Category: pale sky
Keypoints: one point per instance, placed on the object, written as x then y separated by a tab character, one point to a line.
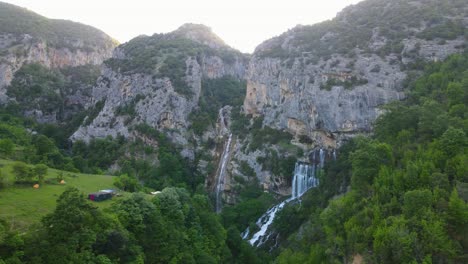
242	24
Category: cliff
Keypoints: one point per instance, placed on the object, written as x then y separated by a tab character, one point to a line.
26	37
328	81
158	80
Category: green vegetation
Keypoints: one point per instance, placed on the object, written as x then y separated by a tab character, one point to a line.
215	94
448	30
129	107
24	206
407	202
263	135
57	33
182	227
172	170
278	164
165	55
347	84
37	88
353	27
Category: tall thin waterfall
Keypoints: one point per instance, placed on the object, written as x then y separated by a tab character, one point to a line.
222	173
305	177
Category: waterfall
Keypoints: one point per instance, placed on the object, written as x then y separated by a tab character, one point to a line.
305	178
264	222
322	157
222	174
222	121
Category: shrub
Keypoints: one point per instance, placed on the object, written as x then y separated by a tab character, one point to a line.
22	172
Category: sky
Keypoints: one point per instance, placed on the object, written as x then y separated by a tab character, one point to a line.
242	24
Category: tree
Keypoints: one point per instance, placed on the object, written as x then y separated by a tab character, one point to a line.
457	211
2	178
127	183
366	163
394	243
416	201
78	232
40	171
22	172
6	146
453	141
44	145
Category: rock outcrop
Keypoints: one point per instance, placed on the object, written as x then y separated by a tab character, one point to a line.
26	37
154	98
18	50
329	80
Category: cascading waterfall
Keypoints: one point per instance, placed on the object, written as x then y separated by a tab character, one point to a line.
305	177
222	174
264	222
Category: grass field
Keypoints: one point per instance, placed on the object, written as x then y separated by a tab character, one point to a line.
23	206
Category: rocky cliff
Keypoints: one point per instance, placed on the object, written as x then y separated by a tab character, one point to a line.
328	81
26	37
311	87
157	80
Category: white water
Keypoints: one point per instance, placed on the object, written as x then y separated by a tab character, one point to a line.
223	127
264	222
222	174
303	180
322	158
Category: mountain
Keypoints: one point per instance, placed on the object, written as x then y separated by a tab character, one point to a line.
327	81
361	108
313	87
26	37
160	80
57	32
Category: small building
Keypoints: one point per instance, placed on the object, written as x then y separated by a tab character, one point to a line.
99	196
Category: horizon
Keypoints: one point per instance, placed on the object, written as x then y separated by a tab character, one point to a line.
239	27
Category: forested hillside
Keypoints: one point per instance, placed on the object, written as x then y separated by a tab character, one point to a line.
407	201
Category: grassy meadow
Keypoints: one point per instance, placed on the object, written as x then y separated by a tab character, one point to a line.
23	206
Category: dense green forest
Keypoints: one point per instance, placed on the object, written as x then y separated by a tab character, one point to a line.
407	201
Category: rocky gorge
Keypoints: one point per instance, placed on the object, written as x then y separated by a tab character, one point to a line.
304	83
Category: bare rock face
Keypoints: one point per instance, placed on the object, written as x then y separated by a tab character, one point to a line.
153	98
27	37
294	98
19	49
328	81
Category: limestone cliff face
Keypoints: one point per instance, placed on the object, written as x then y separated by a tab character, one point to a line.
19	49
27	37
153	97
308	82
154	100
